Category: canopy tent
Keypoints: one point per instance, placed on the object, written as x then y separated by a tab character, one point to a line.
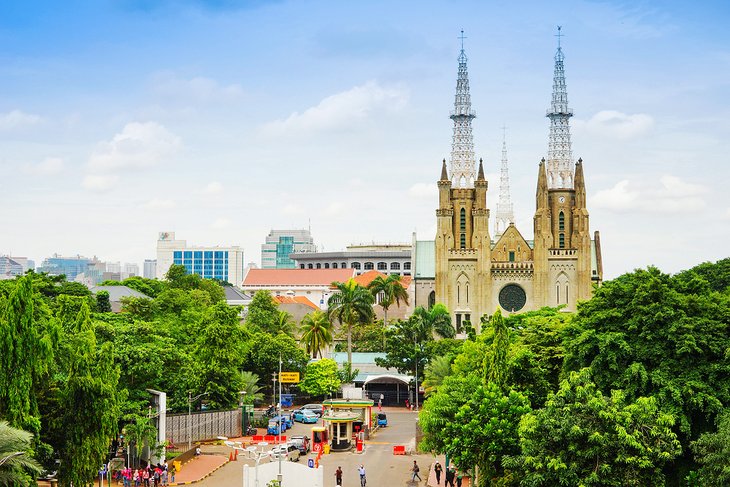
388	379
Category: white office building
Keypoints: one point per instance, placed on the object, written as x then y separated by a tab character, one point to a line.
150	269
222	263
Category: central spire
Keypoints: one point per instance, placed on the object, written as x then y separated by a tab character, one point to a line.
560	154
462	145
505	214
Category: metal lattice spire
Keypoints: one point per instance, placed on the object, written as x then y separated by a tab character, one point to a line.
505	213
560	154
462	146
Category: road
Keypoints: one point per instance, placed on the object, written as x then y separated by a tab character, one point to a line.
382	467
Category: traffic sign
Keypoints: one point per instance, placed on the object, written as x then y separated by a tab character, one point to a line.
289	377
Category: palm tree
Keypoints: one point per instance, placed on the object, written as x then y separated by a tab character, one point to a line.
435	320
284	323
436	371
141	432
391	291
15	461
250	385
351	304
316	332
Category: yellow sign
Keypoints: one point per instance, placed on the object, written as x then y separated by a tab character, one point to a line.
289	377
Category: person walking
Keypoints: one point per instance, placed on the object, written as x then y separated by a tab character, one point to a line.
459	478
173	471
338	475
450	474
361	471
437	469
415	471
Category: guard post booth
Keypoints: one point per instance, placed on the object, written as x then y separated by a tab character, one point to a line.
344	418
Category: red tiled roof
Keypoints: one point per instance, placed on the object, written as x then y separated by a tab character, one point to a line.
296	277
295	300
366	278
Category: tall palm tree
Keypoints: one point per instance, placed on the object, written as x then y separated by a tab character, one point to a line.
435	320
316	332
284	323
351	304
391	291
250	384
436	371
15	461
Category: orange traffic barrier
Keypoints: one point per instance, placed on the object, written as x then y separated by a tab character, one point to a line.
399	450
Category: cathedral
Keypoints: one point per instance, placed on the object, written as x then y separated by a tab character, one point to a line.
473	271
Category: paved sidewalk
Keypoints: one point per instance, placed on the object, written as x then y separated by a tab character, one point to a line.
198	468
466	482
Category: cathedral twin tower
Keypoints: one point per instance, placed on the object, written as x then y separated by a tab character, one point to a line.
476	274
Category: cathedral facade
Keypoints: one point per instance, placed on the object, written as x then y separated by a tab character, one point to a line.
474	272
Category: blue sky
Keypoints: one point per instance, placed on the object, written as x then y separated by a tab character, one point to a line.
221	120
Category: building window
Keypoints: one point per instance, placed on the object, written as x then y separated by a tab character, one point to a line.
310	266
334	265
467	294
319	266
301	266
406	266
467	318
382	266
458	322
356	265
557	291
562	240
458	294
395	266
462	241
431	299
561	221
343	265
462	220
369	266
511	256
326	265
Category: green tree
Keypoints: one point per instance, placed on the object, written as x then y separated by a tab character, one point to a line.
316	332
405	347
250	385
390	291
284	323
25	357
350	305
263	351
436	371
140	432
320	378
712	451
582	437
263	312
102	302
436	320
17	466
497	365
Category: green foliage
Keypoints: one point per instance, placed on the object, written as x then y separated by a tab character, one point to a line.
436	320
284	324
102	302
436	371
250	385
497	366
712	451
316	332
16	462
263	312
263	351
350	305
405	347
347	374
320	378
367	337
390	290
582	437
140	432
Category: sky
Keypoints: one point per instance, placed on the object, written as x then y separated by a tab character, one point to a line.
221	120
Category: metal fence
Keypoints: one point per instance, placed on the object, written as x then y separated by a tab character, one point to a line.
204	425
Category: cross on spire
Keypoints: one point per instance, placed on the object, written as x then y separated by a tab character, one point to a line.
462	37
558	35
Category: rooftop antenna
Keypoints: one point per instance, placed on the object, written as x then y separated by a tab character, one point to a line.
558	35
462	37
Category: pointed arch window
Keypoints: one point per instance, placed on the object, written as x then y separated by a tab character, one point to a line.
562	240
561	221
462	220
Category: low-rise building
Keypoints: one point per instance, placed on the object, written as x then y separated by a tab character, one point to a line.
313	284
386	258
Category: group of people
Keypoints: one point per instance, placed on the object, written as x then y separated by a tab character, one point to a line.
149	476
451	475
360	471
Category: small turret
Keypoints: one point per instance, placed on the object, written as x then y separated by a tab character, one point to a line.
541	195
444	174
480	175
580	185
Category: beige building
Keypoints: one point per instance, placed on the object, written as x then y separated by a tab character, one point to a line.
474	275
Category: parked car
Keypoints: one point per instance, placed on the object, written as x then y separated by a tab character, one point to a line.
301	442
285	451
306	416
318	409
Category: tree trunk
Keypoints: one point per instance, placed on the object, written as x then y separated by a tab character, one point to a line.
349	344
385	324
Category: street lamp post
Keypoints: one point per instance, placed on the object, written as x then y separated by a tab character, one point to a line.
415	343
190	415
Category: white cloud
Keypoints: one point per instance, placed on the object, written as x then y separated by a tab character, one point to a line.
100	182
198	88
341	110
158	204
49	166
17	119
616	125
292	209
670	195
726	216
138	145
213	187
424	191
334	209
220	223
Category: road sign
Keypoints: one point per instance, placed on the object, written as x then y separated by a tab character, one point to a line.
289	377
